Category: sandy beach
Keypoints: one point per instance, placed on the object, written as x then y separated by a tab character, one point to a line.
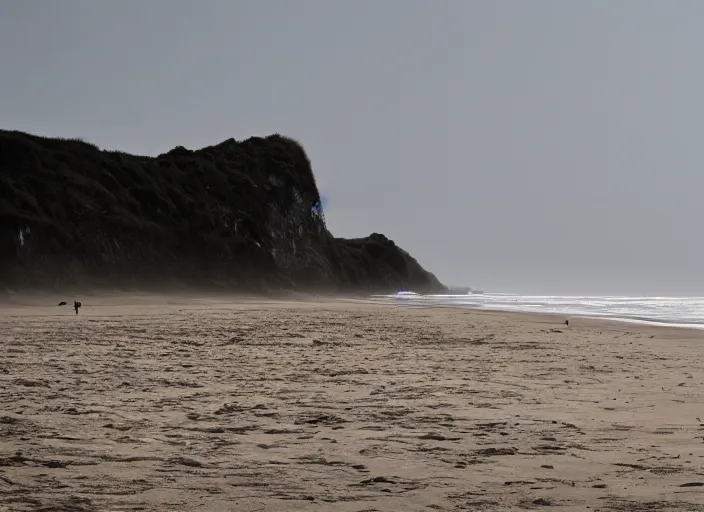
159	404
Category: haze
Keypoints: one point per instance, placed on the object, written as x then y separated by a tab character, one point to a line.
536	147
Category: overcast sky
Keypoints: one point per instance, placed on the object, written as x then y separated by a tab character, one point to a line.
522	146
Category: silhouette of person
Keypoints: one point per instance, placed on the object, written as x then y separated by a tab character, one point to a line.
76	305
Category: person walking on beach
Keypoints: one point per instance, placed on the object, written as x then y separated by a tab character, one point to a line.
76	305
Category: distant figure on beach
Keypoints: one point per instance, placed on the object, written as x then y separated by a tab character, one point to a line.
76	305
567	322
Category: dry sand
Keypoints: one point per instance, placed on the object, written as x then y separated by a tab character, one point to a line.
149	404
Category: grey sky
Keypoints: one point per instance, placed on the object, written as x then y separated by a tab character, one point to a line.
530	146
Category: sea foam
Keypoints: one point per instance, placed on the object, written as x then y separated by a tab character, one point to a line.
680	311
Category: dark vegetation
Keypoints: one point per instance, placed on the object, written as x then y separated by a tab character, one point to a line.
240	215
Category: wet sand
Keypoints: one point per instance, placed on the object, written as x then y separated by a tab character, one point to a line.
155	404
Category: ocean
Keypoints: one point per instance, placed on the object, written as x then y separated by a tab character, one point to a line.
673	311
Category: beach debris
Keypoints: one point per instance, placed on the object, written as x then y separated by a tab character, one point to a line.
186	461
31	383
438	437
496	451
62	303
377	480
54	464
322	418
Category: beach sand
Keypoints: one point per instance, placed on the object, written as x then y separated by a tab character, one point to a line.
159	404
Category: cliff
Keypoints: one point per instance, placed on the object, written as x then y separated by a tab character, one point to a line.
241	215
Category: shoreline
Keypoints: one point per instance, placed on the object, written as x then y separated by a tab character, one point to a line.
558	317
428	301
98	299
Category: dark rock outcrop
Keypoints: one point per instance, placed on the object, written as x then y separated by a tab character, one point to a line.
244	215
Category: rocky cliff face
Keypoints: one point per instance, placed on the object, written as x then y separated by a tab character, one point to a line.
245	215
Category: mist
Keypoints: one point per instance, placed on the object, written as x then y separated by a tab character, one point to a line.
531	147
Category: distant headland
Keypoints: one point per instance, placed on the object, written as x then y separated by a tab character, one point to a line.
238	216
